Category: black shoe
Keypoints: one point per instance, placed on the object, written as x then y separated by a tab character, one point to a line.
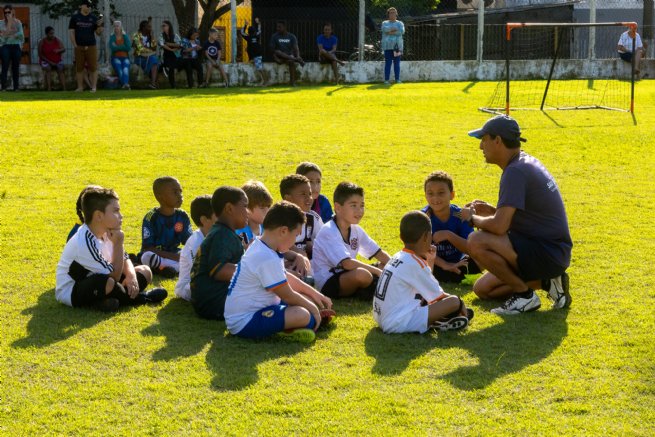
167	272
136	260
108	305
155	295
469	314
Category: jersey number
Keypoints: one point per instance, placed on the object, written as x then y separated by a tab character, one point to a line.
383	283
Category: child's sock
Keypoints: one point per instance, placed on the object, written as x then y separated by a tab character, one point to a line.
312	322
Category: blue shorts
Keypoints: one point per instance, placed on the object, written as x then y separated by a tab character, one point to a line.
533	259
265	322
146	63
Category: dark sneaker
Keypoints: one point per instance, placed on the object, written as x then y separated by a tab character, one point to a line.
136	260
167	272
108	305
517	305
469	314
454	324
326	316
558	291
155	295
302	335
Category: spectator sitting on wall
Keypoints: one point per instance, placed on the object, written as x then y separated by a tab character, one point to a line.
50	50
191	52
625	48
284	46
145	51
327	50
171	43
119	47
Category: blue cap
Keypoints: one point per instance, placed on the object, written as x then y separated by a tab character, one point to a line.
503	126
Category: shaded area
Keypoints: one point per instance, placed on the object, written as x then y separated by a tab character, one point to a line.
502	349
468	86
53	322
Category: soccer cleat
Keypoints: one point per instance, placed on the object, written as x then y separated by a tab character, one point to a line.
155	295
558	291
108	305
454	324
517	305
326	316
469	314
302	335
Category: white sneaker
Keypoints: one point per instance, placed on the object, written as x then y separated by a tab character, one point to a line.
454	324
517	305
558	291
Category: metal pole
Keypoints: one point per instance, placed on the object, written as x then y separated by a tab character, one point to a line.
647	31
480	31
362	29
592	29
105	33
233	30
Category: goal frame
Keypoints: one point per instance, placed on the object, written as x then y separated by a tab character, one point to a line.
509	27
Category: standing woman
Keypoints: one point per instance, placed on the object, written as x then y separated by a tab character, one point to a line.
170	43
392	44
11	39
119	47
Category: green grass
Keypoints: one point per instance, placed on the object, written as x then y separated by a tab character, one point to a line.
154	370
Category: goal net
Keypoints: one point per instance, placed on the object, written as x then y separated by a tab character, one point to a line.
564	66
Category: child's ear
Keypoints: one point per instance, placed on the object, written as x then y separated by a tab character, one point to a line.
286	197
452	195
98	215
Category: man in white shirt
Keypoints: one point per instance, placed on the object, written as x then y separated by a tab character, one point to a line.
625	48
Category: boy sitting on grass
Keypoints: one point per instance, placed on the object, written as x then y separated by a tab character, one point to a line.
449	231
259	202
94	270
79	212
263	299
219	253
203	216
164	229
408	297
337	271
321	204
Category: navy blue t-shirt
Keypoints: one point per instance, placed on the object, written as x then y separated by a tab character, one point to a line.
212	48
540	215
445	249
85	28
326	43
165	232
285	43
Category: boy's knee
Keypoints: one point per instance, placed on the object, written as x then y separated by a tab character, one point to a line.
145	271
109	285
364	277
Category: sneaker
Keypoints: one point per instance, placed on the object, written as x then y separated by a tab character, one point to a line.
302	335
108	305
517	305
386	82
152	86
399	81
167	272
155	295
469	314
454	324
326	316
558	291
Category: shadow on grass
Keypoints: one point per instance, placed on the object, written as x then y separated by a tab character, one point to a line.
379	86
502	349
339	88
53	322
470	85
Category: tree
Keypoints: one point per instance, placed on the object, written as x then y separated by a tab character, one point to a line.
211	11
65	8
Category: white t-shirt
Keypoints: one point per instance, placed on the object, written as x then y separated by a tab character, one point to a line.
92	253
330	249
309	230
395	305
626	41
187	255
260	271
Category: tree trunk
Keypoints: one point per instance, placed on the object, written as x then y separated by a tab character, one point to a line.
184	12
208	17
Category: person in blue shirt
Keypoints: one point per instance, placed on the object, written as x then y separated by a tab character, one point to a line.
165	228
327	50
392	44
449	232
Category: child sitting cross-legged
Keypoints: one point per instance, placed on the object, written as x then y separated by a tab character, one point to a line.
408	298
94	270
263	299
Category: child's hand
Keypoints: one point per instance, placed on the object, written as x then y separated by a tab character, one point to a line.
323	301
482	208
301	265
116	236
131	286
440	236
431	255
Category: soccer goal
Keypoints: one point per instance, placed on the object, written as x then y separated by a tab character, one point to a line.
565	85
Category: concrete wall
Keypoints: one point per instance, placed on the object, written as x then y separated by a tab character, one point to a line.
367	72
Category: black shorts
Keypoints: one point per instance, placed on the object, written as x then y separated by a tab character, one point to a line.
626	56
332	286
533	260
91	289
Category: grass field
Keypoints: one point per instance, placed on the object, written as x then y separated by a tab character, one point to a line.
161	370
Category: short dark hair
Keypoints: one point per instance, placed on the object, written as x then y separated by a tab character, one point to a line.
78	204
413	226
49	29
224	195
439	176
284	213
307	167
288	183
213	30
282	22
96	199
258	194
510	144
159	183
201	206
345	190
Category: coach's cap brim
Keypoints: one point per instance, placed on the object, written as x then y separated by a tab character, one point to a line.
503	126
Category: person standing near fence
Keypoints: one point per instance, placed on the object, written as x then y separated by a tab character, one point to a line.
11	40
82	30
392	44
119	47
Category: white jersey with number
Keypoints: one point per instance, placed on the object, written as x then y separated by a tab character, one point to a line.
187	256
258	274
330	249
626	41
91	253
405	281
